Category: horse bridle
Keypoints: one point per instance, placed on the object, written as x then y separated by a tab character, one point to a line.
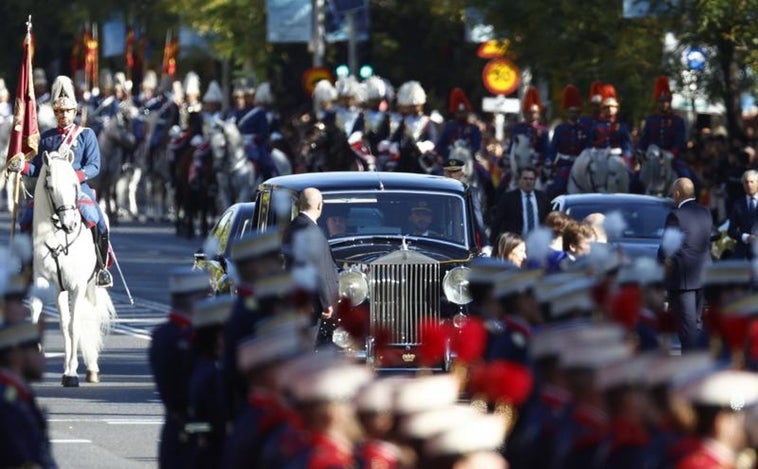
57	209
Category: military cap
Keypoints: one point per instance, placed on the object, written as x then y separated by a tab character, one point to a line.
727	389
256	245
674	369
594	356
286	373
629	372
547	284
186	280
728	272
486	270
454	164
63	95
212	311
378	395
574	295
479	432
338	383
643	271
423	425
516	281
426	393
277	339
421	205
21	333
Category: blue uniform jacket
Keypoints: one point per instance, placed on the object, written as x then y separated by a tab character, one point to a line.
664	130
568	139
612	134
85	148
457	130
206	404
255	122
23	429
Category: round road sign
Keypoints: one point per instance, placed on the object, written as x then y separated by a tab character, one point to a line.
501	76
313	76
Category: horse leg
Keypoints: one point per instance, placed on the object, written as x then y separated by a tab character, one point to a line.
35	303
132	191
70	363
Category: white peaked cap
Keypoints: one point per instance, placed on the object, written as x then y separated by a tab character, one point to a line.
213	94
411	93
423	425
13	335
596	333
331	384
188	280
287	373
426	393
192	84
594	357
305	277
376	88
150	80
255	245
673	369
276	339
484	432
212	311
643	271
63	95
379	395
729	389
624	372
263	94
275	286
487	270
517	281
324	91
550	341
549	283
728	272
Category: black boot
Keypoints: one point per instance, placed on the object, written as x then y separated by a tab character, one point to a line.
104	278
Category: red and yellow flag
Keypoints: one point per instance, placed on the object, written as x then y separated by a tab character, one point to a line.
170	54
91	44
24	139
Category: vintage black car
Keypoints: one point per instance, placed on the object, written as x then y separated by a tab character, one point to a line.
407	276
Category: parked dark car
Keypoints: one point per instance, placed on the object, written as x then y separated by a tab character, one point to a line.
645	217
236	221
405	279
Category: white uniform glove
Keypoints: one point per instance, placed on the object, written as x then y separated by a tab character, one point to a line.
16	164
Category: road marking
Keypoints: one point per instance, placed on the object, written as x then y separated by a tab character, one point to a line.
141	421
71	440
136	422
53	354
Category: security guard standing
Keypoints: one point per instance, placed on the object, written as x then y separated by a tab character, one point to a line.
171	362
24	440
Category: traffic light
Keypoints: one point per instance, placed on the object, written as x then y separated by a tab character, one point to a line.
366	71
342	71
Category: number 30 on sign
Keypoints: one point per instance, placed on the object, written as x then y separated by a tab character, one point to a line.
501	76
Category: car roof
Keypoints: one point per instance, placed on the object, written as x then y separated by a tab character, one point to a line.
605	199
358	180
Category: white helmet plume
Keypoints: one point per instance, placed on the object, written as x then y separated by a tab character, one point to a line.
62	94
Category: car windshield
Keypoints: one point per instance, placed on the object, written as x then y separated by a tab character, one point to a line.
643	220
422	214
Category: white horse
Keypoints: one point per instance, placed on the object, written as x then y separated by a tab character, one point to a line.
522	155
656	173
65	262
234	171
597	170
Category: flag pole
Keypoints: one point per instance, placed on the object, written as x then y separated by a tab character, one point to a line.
17	176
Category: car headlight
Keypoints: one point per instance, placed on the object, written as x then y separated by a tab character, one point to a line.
354	286
455	285
341	338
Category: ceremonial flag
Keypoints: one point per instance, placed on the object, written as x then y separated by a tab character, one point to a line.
129	51
77	56
25	133
170	53
91	45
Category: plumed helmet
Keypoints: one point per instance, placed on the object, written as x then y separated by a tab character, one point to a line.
263	94
662	91
347	87
324	91
38	77
177	90
595	96
238	87
192	84
531	99
458	101
411	93
376	88
608	92
63	95
571	98
150	80
213	94
106	79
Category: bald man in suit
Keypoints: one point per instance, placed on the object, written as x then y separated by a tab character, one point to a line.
685	268
317	254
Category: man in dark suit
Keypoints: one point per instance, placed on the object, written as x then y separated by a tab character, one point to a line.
743	220
686	265
520	210
307	245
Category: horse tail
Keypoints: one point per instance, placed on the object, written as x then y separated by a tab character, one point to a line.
96	321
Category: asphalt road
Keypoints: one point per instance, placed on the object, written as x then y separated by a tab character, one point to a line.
115	423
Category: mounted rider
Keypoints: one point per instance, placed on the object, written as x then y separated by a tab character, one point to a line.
414	130
665	129
608	131
531	129
595	100
459	128
83	143
569	140
379	94
349	116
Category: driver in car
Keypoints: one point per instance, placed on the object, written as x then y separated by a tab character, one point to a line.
336	222
421	220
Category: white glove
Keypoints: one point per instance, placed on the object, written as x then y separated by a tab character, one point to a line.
16	164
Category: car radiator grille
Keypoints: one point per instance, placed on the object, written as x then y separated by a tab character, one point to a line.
405	294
